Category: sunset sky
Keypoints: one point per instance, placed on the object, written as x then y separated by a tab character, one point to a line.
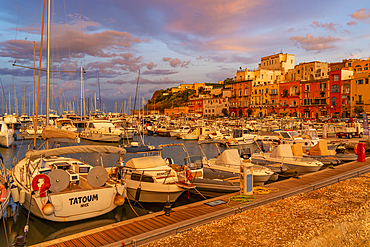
171	42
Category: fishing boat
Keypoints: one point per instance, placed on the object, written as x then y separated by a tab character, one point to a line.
59	188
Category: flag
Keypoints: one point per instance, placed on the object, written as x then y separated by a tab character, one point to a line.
366	124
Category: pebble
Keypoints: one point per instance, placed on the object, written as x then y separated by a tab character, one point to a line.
336	215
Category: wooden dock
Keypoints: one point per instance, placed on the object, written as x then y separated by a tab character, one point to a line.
151	227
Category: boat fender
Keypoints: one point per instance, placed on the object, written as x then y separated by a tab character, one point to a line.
15	194
355	149
44	187
48	208
119	200
15	136
137	195
22	196
189	174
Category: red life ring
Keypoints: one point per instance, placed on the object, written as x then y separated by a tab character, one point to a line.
189	174
44	187
3	194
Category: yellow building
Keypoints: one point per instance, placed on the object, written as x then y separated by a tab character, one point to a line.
177	111
184	87
360	85
264	98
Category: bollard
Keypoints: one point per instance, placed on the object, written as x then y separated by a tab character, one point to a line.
361	152
246	178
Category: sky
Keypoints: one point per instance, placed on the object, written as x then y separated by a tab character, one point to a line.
171	42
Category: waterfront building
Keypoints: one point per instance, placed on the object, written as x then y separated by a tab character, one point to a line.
195	106
177	111
290	102
340	93
360	100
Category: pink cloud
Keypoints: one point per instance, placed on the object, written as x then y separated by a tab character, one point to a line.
361	14
327	26
151	65
146	81
310	43
351	23
175	62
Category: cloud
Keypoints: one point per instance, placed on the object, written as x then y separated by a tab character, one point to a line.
361	14
146	81
351	23
151	65
120	92
200	58
175	62
159	72
310	43
330	26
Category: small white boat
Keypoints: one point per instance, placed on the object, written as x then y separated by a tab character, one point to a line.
102	131
150	179
6	135
283	154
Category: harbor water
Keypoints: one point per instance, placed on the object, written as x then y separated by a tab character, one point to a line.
42	230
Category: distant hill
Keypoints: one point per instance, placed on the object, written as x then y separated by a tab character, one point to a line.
164	98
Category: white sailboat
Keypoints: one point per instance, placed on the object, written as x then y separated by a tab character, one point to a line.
58	188
6	135
4	188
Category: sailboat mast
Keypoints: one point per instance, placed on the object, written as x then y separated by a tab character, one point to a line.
81	90
97	88
48	66
34	80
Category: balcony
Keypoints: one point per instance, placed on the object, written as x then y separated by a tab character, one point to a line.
360	102
294	105
284	105
284	95
295	94
273	93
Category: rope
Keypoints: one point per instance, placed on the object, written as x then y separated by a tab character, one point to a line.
248	199
199	193
243	199
132	207
262	190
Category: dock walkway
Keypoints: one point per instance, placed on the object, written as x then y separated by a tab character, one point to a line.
154	226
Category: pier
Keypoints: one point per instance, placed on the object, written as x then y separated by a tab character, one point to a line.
151	227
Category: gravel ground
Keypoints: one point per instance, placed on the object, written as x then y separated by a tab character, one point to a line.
337	215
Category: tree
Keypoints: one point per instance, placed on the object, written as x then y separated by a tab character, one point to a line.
228	81
358	110
225	112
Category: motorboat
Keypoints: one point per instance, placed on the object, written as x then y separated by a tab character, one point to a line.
102	131
149	179
178	132
59	188
243	135
65	124
283	154
6	135
227	165
318	152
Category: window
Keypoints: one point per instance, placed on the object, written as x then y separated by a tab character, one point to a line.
323	86
266	90
336	77
307	87
361	81
333	101
335	89
366	81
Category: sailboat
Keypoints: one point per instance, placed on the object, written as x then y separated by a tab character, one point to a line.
59	188
4	188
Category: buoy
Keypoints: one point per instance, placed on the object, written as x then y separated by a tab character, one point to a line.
48	209
119	200
15	194
22	196
137	195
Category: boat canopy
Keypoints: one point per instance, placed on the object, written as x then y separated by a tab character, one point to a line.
50	132
321	148
35	154
282	150
297	150
229	157
146	162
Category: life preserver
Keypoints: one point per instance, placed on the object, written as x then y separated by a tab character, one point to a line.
189	174
355	149
44	187
3	194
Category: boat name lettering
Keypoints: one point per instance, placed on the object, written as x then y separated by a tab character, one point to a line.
83	199
161	173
